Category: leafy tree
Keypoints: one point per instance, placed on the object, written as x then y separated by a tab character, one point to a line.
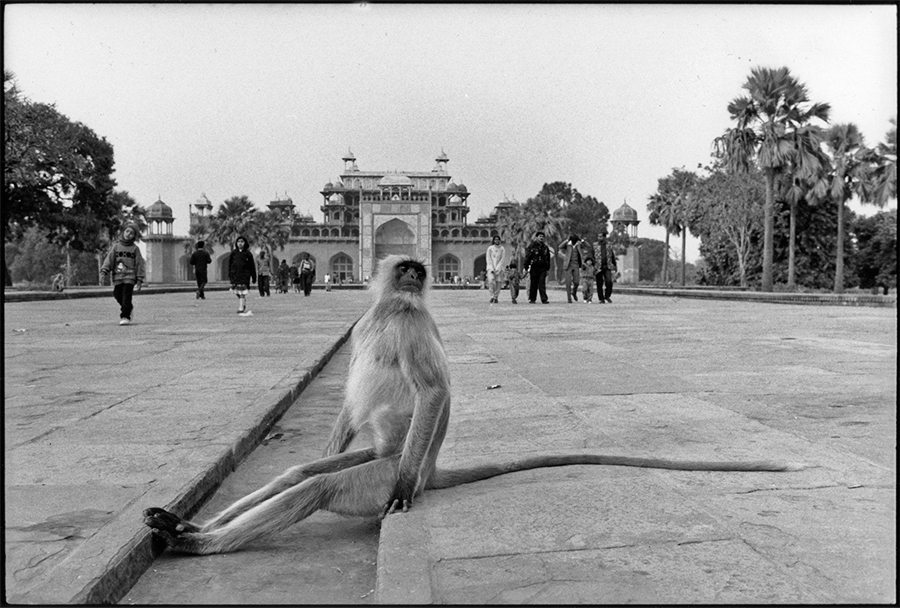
57	174
770	133
876	250
849	176
730	205
651	256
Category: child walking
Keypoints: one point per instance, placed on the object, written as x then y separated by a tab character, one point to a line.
126	264
241	272
587	280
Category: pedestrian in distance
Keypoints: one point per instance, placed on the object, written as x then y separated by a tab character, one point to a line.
200	259
514	278
307	273
606	266
587	280
295	277
241	273
574	251
284	277
327	282
537	264
494	258
263	273
126	265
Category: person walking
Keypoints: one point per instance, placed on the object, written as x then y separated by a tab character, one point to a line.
126	265
327	282
606	266
284	277
587	280
264	273
241	273
512	274
537	263
572	262
494	259
307	273
200	259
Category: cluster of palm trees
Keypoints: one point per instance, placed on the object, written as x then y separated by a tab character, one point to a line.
780	133
238	217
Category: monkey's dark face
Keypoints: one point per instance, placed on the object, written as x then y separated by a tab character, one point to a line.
409	276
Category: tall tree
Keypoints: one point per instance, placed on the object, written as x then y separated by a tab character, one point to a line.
876	255
770	122
850	175
662	213
233	218
884	172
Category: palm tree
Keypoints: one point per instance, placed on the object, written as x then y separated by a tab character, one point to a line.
270	231
769	134
662	210
682	184
884	173
233	218
850	175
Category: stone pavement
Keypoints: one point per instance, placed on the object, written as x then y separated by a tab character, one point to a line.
661	377
102	421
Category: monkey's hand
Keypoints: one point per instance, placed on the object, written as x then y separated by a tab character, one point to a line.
394	506
401	500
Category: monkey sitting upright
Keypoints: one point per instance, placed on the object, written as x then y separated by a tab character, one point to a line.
399	386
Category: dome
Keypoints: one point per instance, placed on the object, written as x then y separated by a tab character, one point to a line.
328	186
461	188
395	179
338	185
443	157
349	155
625	214
159	209
451	187
336	198
455	200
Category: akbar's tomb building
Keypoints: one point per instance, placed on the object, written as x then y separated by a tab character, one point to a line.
367	216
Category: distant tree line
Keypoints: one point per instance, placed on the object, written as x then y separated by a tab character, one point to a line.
771	208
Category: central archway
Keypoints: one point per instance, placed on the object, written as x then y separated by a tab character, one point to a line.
394	237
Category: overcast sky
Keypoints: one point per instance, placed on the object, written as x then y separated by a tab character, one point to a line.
264	100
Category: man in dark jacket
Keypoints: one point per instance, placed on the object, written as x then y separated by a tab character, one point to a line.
241	272
200	260
606	268
537	263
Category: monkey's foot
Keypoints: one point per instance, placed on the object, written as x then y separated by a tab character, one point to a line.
179	534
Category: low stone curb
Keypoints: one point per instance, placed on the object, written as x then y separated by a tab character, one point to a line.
775	298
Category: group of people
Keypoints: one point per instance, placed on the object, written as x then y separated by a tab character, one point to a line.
583	264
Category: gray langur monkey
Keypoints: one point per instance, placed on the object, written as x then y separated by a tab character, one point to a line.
398	390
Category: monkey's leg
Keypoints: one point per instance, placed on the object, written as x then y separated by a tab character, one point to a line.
288	479
160	519
341	434
359	490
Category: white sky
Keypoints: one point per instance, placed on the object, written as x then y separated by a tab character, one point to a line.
264	100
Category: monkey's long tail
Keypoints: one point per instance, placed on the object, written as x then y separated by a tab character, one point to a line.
448	478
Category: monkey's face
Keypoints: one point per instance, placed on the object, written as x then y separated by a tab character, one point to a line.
409	276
